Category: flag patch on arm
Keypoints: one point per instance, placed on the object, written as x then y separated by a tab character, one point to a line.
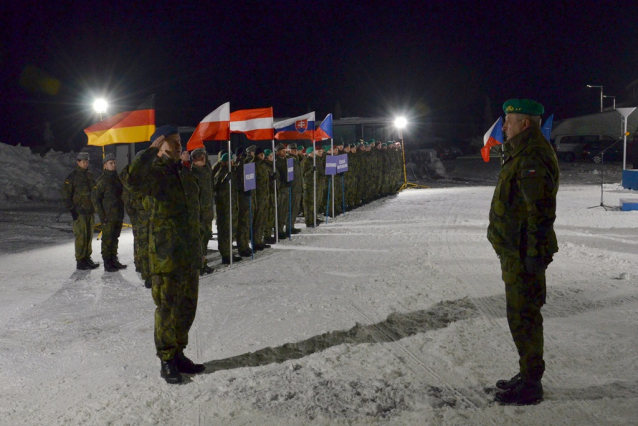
528	173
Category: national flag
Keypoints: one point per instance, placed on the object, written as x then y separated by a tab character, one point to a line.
302	127
214	127
493	137
126	127
324	131
546	130
255	123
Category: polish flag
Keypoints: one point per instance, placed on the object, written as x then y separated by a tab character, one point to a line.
214	127
256	123
493	137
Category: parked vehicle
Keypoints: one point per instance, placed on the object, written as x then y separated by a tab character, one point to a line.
610	148
571	147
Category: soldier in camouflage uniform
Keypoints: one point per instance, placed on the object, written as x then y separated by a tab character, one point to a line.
296	189
174	247
264	218
521	231
76	193
246	206
202	172
222	181
107	200
283	196
309	175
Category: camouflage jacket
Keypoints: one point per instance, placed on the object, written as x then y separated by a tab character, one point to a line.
523	208
263	169
76	191
173	208
204	177
107	197
132	200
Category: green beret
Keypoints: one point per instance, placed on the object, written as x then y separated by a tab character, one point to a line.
523	106
225	157
326	147
267	152
309	150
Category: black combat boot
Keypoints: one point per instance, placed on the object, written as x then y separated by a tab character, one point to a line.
170	373
108	265
186	366
245	253
148	283
226	260
295	231
509	384
270	240
91	264
206	270
283	236
525	392
82	265
259	247
117	264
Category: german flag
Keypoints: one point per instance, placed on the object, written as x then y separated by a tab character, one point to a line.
125	127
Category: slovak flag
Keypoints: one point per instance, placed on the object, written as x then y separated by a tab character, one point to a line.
546	130
302	127
324	131
214	127
256	123
493	137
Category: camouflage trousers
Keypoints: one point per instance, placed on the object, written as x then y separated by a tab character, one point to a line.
525	295
206	234
110	238
140	243
283	205
261	227
223	227
175	296
309	202
295	206
246	210
83	231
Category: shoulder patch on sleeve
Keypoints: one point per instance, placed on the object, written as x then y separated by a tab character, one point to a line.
528	173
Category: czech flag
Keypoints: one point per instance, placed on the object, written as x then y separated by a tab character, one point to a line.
302	127
546	130
324	131
125	127
256	123
214	127
493	137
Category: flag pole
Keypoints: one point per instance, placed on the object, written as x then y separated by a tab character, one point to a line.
230	198
332	147
274	170
314	180
289	213
252	239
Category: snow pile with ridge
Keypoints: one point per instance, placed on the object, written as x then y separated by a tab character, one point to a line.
27	176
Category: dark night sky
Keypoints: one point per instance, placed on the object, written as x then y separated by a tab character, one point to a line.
437	61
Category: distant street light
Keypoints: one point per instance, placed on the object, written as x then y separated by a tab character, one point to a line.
100	106
601	94
400	123
613	97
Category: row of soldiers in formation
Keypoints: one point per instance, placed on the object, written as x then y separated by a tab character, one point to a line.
374	170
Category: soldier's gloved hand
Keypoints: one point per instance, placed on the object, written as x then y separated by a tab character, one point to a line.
273	176
314	169
534	265
74	215
226	178
288	184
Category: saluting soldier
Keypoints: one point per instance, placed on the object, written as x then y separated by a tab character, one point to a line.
76	193
174	248
107	199
521	231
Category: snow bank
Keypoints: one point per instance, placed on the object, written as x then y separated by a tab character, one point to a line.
27	176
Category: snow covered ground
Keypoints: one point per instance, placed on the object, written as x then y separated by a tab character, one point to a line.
391	314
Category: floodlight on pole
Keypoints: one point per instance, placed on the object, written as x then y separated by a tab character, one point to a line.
400	123
601	94
100	105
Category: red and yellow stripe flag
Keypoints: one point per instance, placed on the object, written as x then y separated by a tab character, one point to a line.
125	127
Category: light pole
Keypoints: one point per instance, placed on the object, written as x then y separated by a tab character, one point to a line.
100	105
400	123
601	94
613	97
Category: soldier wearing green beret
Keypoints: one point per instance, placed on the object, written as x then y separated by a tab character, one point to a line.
76	193
521	231
203	173
107	200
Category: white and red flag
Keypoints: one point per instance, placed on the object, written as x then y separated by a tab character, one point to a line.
255	123
214	127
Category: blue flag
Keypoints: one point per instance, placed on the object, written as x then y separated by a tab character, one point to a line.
546	130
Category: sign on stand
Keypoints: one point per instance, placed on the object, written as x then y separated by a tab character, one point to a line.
250	179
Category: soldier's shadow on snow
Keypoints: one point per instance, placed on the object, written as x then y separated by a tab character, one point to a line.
396	327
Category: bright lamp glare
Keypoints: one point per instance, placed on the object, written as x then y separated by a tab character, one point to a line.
100	105
400	122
